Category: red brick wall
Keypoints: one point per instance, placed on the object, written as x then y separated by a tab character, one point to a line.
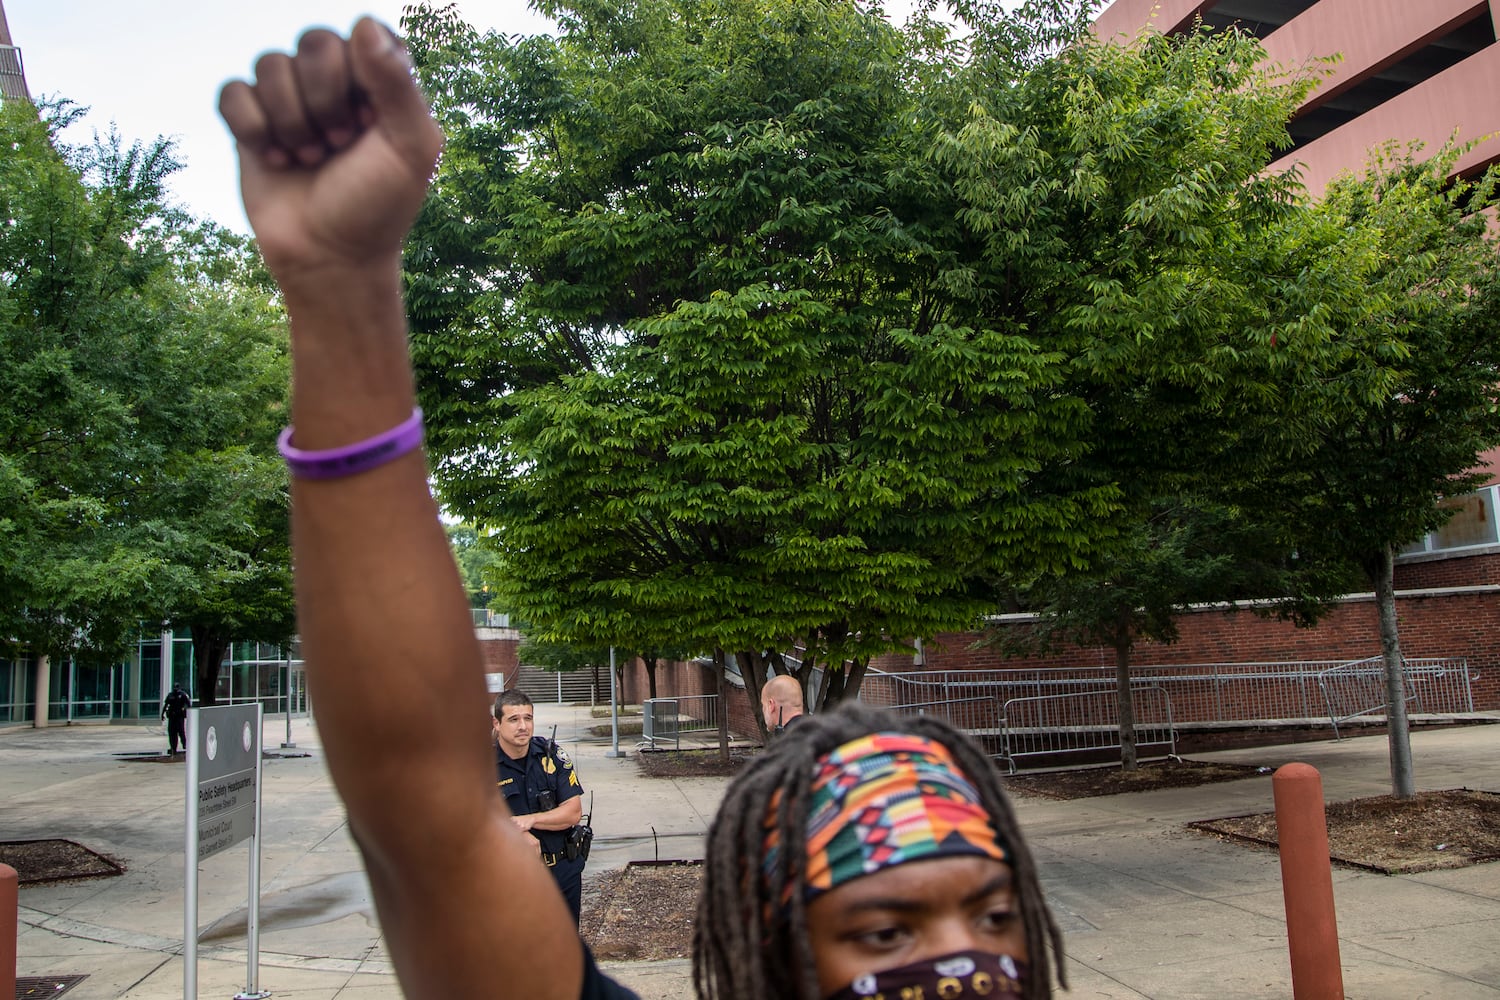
499	657
1444	624
1454	624
1468	571
742	721
673	680
681	680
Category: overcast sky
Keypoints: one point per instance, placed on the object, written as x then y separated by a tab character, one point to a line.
154	67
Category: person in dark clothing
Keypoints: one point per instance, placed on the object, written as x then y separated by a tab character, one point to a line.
540	785
174	708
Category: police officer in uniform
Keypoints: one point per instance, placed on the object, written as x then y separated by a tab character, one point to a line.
542	790
174	708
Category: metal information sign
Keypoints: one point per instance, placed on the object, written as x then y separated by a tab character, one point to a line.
223	809
228	776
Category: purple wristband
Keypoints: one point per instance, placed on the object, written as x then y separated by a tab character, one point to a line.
352	459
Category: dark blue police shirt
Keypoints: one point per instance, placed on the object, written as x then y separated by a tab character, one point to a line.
545	766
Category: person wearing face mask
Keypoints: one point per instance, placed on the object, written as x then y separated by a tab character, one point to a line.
861	855
780	703
871	854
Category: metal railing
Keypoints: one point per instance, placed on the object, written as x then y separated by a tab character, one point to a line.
1312	691
12	73
1059	725
1354	689
975	716
664	721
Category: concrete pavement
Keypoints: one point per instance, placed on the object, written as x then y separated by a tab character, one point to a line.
1149	909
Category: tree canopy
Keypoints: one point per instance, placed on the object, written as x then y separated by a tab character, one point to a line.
1393	388
143	375
769	326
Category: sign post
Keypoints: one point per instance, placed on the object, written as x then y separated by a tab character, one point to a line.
614	711
223	809
287	692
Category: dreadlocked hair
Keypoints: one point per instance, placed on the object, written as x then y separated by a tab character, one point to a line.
750	940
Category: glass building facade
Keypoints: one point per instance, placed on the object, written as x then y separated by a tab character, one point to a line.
132	691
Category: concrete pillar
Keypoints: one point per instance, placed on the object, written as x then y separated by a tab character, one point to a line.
43	686
166	661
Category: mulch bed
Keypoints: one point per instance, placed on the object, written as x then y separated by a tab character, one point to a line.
1149	776
41	861
643	912
1454	828
693	763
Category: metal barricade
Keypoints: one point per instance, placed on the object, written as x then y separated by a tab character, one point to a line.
1059	726
1357	688
664	721
1219	693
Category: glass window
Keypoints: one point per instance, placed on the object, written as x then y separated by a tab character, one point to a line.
1473	522
149	700
182	666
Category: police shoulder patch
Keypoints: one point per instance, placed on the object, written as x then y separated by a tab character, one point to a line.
561	755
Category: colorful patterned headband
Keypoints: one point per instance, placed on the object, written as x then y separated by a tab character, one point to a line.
883	800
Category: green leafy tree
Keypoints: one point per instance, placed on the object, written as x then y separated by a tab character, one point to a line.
766	327
478	563
78	574
1392	389
143	371
1186	551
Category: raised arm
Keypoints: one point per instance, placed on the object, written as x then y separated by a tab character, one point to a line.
336	149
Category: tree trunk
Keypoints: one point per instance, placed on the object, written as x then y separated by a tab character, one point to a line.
209	650
753	670
832	691
1125	707
841	683
596	685
723	713
650	662
1398	731
856	677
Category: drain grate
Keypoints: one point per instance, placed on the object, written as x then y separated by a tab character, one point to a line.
37	987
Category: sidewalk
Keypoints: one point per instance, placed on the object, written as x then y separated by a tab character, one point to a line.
1149	909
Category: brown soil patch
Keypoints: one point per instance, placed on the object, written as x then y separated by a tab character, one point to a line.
632	727
693	763
1448	829
1148	777
643	912
41	861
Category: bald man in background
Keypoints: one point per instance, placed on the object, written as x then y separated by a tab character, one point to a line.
780	703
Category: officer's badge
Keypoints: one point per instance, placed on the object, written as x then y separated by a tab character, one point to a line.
547	765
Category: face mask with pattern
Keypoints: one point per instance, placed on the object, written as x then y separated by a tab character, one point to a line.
963	975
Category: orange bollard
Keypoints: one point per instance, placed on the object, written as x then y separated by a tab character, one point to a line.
10	925
1307	883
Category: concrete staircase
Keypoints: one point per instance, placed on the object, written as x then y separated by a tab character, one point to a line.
576	688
